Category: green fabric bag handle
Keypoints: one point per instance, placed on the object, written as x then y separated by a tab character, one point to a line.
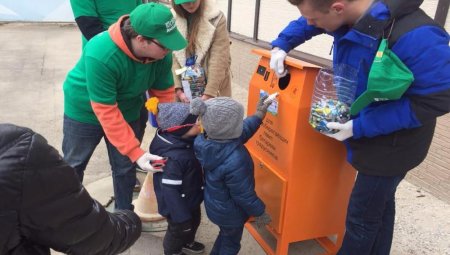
389	78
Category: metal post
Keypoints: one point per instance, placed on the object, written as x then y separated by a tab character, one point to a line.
256	24
230	3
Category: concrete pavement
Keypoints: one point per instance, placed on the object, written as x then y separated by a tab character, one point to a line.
34	61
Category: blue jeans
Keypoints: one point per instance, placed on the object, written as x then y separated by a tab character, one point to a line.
143	118
79	142
371	215
228	242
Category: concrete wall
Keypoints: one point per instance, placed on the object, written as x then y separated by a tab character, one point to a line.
433	174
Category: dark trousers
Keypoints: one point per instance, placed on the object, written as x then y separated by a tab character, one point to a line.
228	242
79	142
179	234
143	118
370	216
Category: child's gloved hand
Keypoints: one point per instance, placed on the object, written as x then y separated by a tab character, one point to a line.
261	107
262	220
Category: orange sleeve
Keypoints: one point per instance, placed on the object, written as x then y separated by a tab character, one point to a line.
164	96
117	130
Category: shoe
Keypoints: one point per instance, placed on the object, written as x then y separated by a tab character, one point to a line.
194	248
137	186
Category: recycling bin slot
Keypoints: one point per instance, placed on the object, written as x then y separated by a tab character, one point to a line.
283	82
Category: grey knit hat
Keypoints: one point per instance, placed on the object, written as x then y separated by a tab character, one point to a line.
173	114
221	117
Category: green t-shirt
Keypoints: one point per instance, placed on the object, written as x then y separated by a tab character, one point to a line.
107	11
105	74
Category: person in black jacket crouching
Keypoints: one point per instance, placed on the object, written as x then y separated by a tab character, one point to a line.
43	205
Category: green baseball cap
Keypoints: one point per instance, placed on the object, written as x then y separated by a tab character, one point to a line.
184	1
388	79
156	21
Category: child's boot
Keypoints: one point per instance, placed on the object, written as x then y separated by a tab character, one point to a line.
194	248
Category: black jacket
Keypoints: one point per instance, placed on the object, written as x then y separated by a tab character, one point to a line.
179	188
43	205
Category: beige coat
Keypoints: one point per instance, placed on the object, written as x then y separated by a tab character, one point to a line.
212	49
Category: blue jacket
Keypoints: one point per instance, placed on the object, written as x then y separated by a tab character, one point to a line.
390	137
230	196
179	188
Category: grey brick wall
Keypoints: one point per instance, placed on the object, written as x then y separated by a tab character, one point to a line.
433	175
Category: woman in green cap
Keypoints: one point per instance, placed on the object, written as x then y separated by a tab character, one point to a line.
203	67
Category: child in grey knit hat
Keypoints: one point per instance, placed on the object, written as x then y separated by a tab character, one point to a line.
230	197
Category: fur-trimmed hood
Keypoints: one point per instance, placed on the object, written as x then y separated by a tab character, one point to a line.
205	34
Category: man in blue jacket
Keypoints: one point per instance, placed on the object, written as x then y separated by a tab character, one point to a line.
387	138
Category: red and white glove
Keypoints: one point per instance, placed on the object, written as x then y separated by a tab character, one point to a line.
144	162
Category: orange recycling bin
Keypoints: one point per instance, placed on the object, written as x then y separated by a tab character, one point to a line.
301	175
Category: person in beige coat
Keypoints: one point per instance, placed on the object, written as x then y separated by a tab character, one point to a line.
208	39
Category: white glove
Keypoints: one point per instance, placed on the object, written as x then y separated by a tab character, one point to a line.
144	162
277	61
345	130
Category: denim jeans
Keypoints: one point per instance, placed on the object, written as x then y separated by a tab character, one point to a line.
228	242
371	215
79	142
143	118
